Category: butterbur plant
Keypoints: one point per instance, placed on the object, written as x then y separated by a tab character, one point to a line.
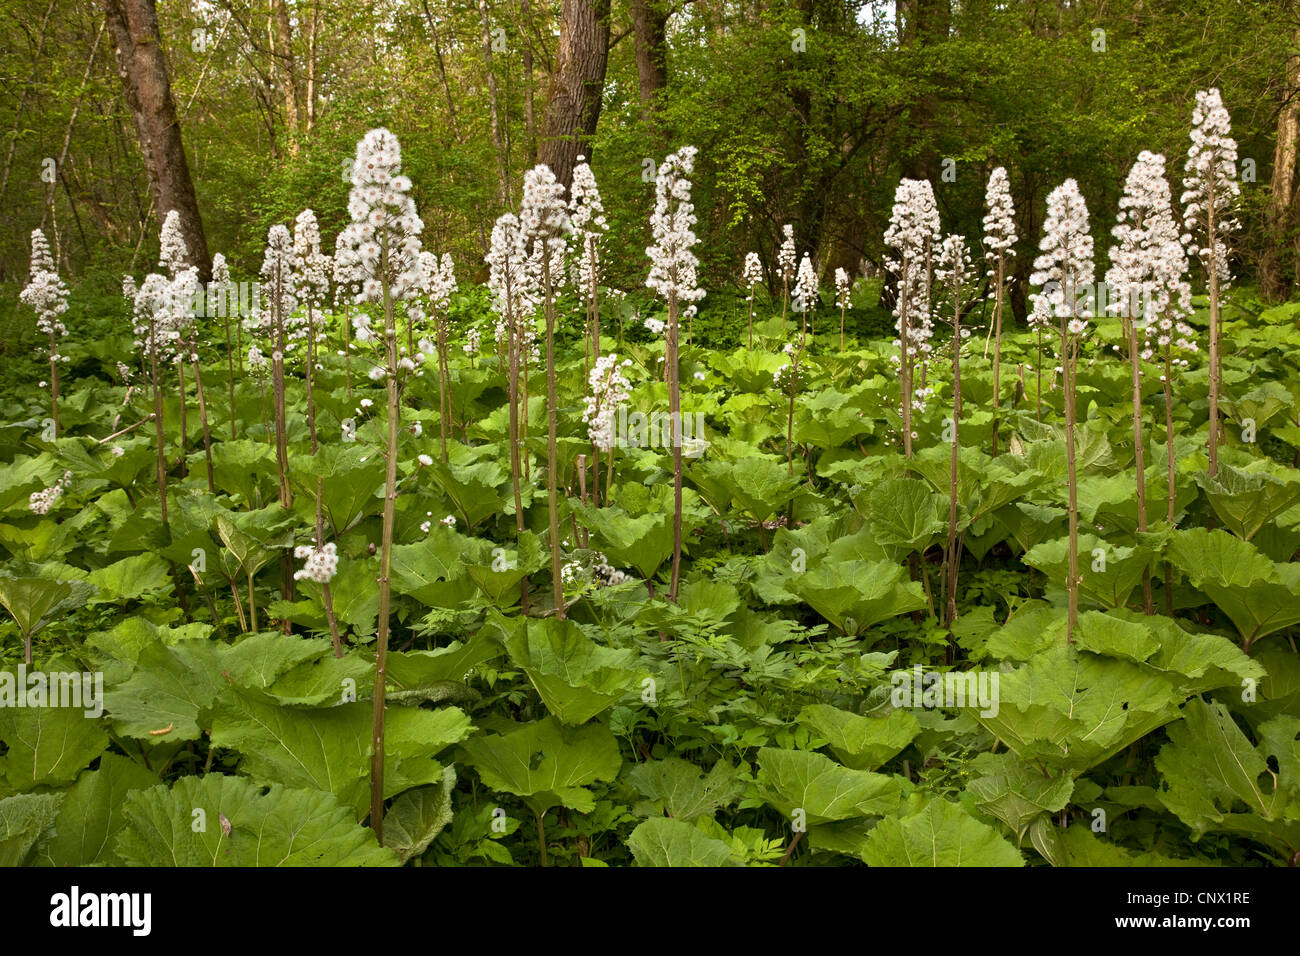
786	262
806	295
544	222
347	287
673	276
751	276
440	284
608	389
1211	192
786	379
176	314
954	271
1065	271
383	256
46	294
311	276
587	219
999	250
185	292
514	297
1040	320
149	312
279	285
219	290
843	298
1168	340
1146	266
913	234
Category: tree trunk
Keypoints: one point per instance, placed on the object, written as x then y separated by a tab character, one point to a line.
72	121
530	86
650	26
1274	281
494	108
288	70
927	25
573	106
22	100
312	68
143	70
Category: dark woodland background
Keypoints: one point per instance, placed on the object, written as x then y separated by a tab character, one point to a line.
804	112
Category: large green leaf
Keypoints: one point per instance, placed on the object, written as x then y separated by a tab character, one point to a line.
1259	596
417	817
329	748
1073	709
679	789
169	692
545	763
758	486
253	538
430	675
829	418
1216	779
91	815
853	595
26	825
630	542
240	467
48	746
1016	792
861	743
130	578
1109	572
352	484
240	826
800	781
575	677
35	600
904	513
660	841
1245	501
477	488
1201	662
937	834
1079	846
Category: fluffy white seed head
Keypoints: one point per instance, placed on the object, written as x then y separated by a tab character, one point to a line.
806	292
1210	183
45	292
380	247
1064	269
311	267
1000	219
173	252
673	262
786	255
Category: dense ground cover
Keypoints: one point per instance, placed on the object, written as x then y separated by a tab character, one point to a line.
233	567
